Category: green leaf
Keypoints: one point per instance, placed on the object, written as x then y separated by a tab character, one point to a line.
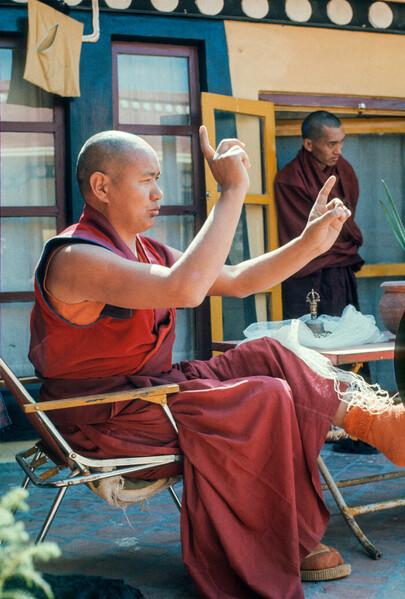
393	217
399	234
392	207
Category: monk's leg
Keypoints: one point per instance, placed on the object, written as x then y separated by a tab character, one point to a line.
252	503
314	397
384	431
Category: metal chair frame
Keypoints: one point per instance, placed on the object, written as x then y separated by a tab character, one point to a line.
54	452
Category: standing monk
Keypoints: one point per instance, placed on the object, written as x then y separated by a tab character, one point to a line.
251	422
296	186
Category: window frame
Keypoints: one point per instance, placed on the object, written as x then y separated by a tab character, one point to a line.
55	128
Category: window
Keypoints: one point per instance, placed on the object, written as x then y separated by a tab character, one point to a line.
31	195
156	96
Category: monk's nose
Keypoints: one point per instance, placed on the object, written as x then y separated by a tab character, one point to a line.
157	193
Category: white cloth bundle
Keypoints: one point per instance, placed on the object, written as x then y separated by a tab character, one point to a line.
352	328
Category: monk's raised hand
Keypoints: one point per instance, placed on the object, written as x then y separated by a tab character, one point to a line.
321	203
228	163
322	231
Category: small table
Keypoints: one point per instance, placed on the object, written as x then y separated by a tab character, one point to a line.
355	355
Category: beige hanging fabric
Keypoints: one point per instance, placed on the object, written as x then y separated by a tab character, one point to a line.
53	52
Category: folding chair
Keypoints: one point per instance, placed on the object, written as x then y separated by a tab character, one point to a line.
53	463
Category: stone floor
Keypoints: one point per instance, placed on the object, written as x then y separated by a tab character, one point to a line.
142	546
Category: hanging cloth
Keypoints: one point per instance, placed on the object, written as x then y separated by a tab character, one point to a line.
53	52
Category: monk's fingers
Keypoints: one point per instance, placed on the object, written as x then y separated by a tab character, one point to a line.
226	144
336	217
233	152
337	203
205	145
323	195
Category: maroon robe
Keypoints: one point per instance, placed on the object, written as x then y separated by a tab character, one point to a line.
296	187
251	425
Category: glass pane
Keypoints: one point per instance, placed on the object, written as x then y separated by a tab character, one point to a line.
22	239
153	90
249	239
376	157
176	179
248	129
29	159
19	99
176	231
14	336
185	344
237	314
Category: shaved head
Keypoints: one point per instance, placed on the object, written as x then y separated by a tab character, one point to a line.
313	125
108	151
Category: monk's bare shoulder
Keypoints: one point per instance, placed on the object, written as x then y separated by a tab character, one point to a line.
76	269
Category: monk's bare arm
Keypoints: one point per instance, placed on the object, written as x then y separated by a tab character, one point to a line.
84	272
263	272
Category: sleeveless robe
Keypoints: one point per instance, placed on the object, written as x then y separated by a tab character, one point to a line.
251	425
332	274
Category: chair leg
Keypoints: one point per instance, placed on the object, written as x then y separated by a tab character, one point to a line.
345	511
25	482
27	479
175	497
51	515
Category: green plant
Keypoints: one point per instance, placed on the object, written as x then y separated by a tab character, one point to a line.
17	553
393	216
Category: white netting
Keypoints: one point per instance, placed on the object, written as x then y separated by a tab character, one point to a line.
352	328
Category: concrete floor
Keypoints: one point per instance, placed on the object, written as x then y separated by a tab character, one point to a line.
142	546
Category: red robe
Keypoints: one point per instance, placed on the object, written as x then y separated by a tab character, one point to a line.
251	425
296	187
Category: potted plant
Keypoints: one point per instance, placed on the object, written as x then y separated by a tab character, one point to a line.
392	304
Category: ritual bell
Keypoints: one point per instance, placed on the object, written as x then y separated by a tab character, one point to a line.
315	324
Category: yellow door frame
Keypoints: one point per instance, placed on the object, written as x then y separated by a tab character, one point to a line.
264	110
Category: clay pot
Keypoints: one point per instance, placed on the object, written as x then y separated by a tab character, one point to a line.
392	304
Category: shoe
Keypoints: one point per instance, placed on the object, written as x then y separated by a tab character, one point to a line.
324	563
348	445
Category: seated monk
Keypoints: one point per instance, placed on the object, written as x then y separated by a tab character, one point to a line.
251	421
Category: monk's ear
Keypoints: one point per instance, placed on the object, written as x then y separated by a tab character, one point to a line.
98	183
307	143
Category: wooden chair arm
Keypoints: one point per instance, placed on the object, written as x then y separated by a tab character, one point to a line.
156	394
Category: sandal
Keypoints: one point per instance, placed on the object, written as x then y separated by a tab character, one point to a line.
324	563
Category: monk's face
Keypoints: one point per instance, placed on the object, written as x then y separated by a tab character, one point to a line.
134	193
327	148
